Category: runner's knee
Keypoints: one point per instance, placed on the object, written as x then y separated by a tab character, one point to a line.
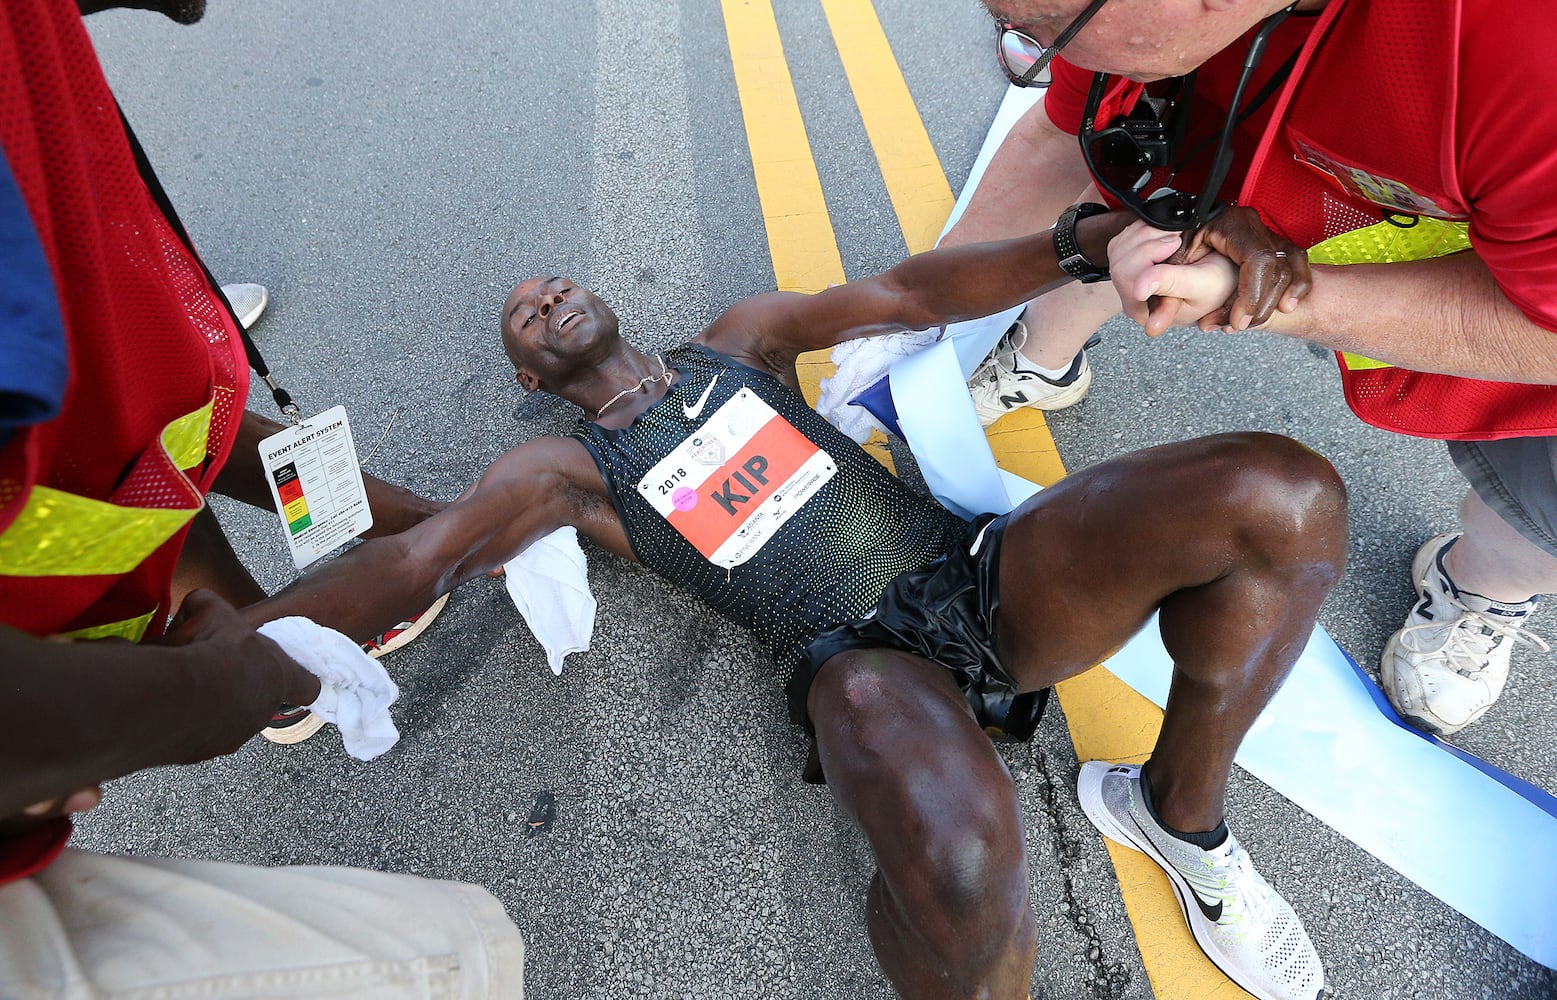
1290	502
930	792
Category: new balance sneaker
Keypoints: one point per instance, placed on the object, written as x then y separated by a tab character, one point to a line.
393	639
247	301
1446	667
292	724
998	386
1245	928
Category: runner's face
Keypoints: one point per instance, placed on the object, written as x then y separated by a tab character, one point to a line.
550	325
1138	39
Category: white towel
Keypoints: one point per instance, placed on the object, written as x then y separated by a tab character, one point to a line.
861	363
355	691
549	582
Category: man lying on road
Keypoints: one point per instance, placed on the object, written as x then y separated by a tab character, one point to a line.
909	630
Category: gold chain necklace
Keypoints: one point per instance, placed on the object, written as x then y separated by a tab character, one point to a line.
643	383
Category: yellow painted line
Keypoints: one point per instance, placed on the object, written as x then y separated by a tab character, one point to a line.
1107	719
919	191
915	181
1023	445
801	240
800	232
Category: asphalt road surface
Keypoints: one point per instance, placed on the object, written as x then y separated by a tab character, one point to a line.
390	170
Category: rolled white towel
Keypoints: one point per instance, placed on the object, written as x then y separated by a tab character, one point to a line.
355	691
549	584
861	364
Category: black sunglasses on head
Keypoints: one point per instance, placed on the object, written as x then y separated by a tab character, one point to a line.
1136	157
1025	62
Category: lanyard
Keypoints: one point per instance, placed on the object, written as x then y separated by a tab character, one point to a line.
256	361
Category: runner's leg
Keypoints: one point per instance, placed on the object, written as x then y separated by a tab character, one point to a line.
208	561
947	909
1235	539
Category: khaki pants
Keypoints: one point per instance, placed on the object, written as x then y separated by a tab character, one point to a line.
109	927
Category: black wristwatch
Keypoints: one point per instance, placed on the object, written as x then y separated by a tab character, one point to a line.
1072	261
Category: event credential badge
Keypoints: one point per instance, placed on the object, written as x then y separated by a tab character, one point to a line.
316	484
730	486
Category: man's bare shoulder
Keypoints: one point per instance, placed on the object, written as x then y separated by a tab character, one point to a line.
757	331
557	479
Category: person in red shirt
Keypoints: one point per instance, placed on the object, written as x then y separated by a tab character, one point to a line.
1416	173
1408	151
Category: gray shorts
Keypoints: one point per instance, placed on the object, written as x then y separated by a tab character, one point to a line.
1517	478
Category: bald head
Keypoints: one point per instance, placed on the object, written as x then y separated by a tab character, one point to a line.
554	330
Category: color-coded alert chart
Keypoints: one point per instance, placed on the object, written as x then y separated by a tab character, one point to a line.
317	485
294	503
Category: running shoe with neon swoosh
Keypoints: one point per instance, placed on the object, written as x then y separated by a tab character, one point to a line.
1243	925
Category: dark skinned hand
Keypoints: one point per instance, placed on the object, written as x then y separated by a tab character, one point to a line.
1273	272
199	692
256	676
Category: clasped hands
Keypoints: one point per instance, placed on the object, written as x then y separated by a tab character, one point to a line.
1231	274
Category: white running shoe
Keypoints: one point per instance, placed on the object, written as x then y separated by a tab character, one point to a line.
1446	667
998	388
247	301
1245	928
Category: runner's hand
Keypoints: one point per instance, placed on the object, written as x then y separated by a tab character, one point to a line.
1273	272
1157	293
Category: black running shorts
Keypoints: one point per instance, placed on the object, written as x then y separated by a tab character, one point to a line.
945	613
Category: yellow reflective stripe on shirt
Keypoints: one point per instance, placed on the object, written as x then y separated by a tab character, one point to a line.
1390	243
187	438
132	629
62	534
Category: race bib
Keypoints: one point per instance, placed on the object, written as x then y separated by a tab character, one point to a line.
733	483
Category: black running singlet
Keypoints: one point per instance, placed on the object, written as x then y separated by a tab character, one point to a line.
735	490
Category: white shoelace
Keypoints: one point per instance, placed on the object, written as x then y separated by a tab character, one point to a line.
1465	649
1002	360
1252	891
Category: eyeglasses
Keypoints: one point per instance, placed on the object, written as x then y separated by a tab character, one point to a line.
1025	62
1136	157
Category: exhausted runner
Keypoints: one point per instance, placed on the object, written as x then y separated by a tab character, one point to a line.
909	631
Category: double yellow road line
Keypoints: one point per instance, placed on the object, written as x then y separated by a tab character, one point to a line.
1107	720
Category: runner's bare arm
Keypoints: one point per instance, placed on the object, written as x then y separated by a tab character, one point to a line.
529	492
944	285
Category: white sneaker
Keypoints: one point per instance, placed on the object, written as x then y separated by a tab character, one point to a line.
248	301
1446	667
998	388
1245	928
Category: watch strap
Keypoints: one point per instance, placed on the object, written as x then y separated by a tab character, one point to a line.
1068	251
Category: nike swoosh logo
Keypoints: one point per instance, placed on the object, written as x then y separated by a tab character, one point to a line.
693	412
1212	913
